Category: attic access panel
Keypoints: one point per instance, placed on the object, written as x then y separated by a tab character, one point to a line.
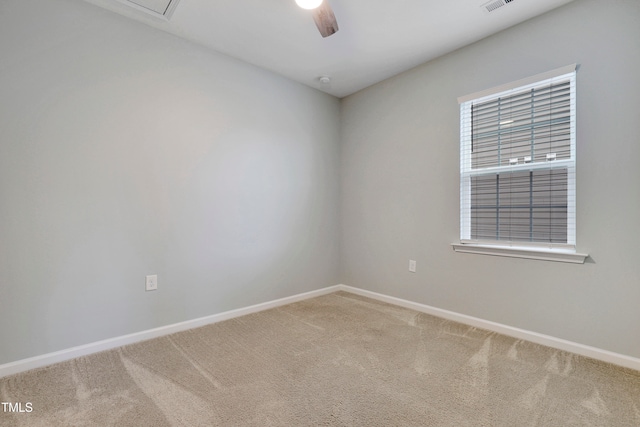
163	8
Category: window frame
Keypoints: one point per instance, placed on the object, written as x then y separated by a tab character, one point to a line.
522	249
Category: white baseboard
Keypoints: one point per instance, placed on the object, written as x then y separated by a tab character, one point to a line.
108	344
84	350
546	340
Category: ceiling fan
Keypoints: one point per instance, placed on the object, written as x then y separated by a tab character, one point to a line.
322	15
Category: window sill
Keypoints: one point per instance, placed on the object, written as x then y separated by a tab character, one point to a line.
529	253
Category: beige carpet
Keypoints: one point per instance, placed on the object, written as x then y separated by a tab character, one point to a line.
335	360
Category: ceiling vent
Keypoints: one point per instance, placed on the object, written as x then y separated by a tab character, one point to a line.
159	8
495	5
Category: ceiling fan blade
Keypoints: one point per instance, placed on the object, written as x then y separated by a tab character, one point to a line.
325	19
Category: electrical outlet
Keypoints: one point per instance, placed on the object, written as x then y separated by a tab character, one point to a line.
412	265
151	282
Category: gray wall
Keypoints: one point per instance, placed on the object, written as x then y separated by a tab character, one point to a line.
400	182
125	151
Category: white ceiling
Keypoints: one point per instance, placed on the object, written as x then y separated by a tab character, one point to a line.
377	38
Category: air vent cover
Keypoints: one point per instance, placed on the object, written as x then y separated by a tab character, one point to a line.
163	8
494	5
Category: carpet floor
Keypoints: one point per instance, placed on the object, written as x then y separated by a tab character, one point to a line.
334	360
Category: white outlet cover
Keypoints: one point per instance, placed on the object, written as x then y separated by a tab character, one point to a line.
412	265
151	282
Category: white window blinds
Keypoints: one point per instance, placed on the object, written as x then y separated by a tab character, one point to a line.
517	164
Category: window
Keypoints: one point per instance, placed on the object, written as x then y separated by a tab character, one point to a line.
517	164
